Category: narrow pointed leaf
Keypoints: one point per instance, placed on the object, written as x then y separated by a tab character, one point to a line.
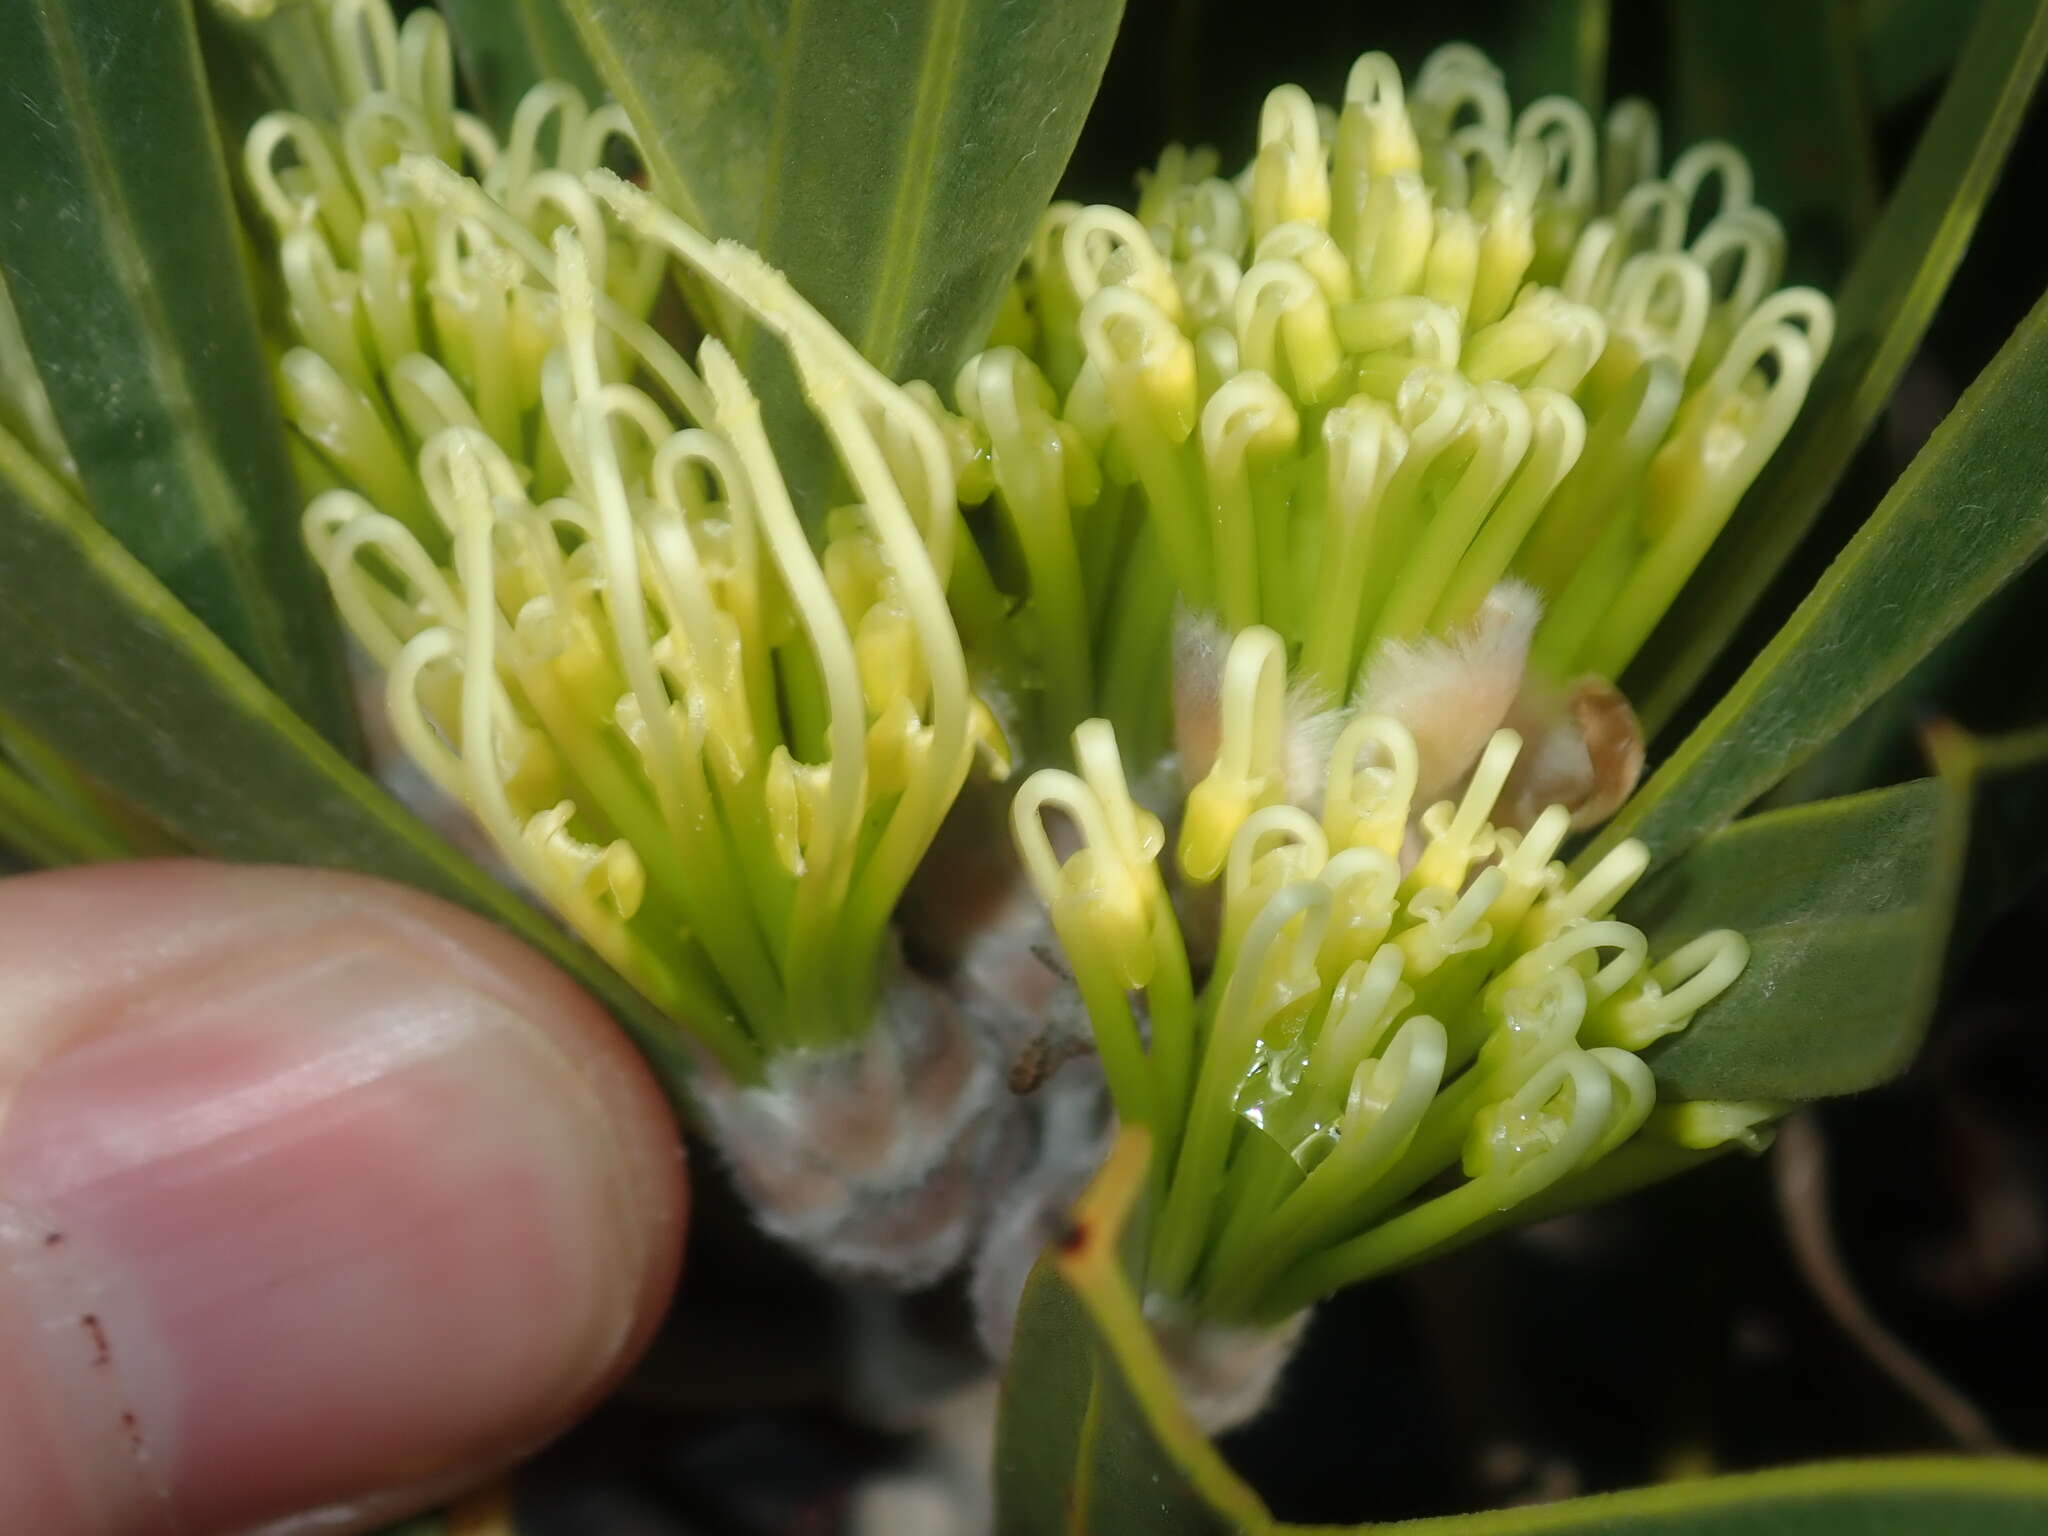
1968	515
109	670
1086	1378
1883	310
893	162
1847	907
1083	1356
1968	676
505	46
120	251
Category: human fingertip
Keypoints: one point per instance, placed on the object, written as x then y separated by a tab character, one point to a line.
315	1194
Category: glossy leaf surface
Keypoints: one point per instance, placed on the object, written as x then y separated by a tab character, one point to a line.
893	163
122	256
1846	905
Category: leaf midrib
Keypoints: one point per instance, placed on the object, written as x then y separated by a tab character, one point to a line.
937	82
537	33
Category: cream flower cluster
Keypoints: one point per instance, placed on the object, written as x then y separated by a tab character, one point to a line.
1372	1022
1424	393
1419	344
716	751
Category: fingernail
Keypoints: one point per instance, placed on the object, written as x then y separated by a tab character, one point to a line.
296	1222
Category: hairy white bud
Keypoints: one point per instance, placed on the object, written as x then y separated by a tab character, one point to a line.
875	1156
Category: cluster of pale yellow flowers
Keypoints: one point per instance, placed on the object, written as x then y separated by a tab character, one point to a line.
717	751
1350	483
1418	345
1417	425
1399	1024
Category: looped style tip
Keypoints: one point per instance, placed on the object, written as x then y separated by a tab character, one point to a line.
1413	1028
1419	345
1330	498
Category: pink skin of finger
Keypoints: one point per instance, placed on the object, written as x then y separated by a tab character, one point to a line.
319	1201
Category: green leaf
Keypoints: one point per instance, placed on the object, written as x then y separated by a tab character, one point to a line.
1882	312
120	251
1969	676
2007	778
1846	905
109	670
1090	1435
892	162
505	46
1796	108
1092	1439
1968	515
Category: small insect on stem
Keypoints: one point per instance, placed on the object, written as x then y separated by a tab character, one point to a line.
1042	1057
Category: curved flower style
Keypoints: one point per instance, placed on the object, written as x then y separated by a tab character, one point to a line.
1371	1021
715	751
1418	345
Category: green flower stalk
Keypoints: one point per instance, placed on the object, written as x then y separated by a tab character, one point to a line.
1420	344
1393	1051
716	752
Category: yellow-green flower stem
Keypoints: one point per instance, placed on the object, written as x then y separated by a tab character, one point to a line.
897	461
1364	1029
1674	1138
715	750
1419	344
